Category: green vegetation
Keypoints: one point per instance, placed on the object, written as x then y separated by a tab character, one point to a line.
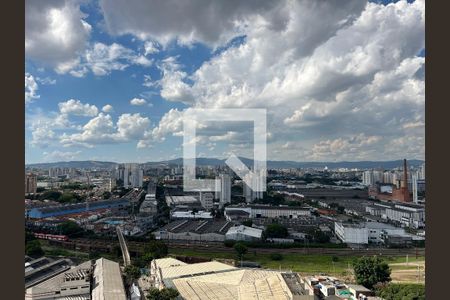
393	291
131	273
370	271
164	294
70	229
230	243
276	256
241	250
50	195
33	248
275	231
66	197
156	249
248	223
318	236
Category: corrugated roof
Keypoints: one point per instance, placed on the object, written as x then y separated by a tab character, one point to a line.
237	284
108	281
191	269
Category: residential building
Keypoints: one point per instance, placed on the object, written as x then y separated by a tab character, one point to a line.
206	200
225	189
30	183
131	175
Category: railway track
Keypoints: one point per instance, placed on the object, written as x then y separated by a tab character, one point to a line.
88	244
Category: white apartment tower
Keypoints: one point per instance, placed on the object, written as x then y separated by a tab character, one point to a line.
414	187
225	189
131	174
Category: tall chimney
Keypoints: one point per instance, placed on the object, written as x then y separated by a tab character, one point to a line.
405	190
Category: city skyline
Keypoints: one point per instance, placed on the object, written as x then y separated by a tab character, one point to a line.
340	82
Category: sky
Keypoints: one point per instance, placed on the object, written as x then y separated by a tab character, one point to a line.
114	80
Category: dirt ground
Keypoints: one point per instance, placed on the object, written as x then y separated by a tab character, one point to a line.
413	272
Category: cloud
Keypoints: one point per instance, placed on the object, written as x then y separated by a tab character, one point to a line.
46	80
76	108
138	101
324	70
173	86
107	108
210	22
102	130
55	31
102	59
31	88
150	48
56	156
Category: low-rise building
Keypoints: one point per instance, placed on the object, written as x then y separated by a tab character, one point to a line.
243	233
266	211
351	233
215	280
91	280
194	230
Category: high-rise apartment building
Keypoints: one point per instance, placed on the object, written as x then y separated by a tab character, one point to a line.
422	171
415	187
249	194
131	175
30	183
225	189
367	178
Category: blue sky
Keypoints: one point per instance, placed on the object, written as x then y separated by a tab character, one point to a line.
111	80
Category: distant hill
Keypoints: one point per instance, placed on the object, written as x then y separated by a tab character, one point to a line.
273	164
249	162
87	164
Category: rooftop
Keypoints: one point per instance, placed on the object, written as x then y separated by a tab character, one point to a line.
255	232
107	281
236	284
198	226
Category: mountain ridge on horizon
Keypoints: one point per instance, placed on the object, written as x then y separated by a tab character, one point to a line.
203	161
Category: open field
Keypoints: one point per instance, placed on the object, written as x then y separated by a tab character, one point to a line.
307	264
411	272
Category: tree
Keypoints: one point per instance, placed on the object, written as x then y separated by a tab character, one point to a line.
400	291
318	236
70	228
370	271
156	249
194	212
33	248
248	223
240	249
132	272
50	195
106	195
164	294
276	230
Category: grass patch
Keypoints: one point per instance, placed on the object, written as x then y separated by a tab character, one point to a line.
292	261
